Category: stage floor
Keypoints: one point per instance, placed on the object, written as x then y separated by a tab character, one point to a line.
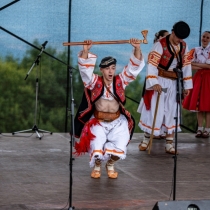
34	174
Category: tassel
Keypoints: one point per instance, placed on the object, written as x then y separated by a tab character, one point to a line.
147	98
86	136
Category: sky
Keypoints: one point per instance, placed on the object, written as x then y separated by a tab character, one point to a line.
98	20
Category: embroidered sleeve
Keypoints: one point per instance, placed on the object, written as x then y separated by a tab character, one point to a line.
190	56
86	68
154	58
131	71
187	58
153	61
187	70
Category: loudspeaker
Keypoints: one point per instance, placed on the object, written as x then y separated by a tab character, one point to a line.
183	205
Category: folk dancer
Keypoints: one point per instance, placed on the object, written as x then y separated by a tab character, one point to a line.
104	126
168	53
197	101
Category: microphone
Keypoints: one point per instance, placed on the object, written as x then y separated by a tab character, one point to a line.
44	44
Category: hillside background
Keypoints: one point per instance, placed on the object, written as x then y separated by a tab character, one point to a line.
26	25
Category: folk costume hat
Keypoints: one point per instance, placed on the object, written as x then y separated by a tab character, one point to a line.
181	30
107	61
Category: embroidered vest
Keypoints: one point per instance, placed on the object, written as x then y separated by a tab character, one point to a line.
168	55
89	98
98	89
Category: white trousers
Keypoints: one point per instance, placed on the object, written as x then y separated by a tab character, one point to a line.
111	139
167	110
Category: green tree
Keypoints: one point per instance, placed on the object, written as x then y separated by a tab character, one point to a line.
13	101
17	101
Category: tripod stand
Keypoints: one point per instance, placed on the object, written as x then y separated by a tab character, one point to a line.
179	91
35	127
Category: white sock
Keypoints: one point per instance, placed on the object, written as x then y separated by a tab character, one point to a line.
110	167
200	128
146	140
207	129
147	135
97	168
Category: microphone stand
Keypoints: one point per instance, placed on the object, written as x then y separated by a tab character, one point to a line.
35	128
72	141
179	92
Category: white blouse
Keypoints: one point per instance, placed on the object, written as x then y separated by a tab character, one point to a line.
201	55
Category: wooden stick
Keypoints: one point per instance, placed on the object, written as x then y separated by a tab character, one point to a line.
153	124
144	41
103	42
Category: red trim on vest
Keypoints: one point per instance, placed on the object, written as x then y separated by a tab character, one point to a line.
183	48
120	92
96	91
167	56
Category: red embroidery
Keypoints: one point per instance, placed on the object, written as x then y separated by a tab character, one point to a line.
166	56
95	92
119	89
